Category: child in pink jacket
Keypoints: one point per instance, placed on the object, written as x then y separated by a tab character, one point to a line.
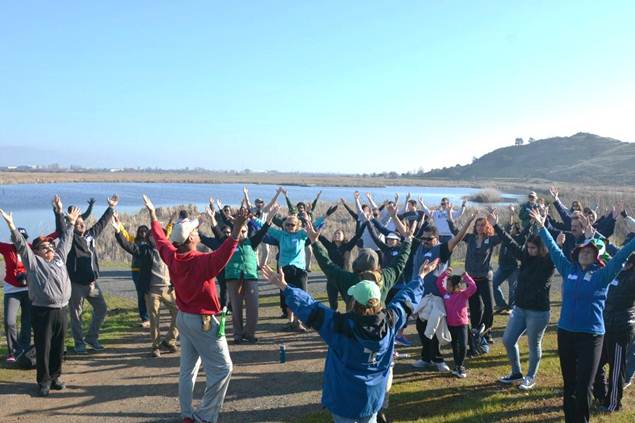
455	297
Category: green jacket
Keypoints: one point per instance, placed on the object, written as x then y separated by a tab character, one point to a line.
244	262
344	280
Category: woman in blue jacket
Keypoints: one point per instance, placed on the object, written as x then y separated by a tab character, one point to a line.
361	342
581	325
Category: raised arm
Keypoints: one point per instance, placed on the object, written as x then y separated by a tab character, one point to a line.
314	203
27	255
257	238
440	282
359	230
290	206
403	303
614	266
273	201
558	258
89	210
104	220
349	209
373	234
392	273
507	239
454	241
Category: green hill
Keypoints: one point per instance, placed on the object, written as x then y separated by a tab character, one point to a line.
579	158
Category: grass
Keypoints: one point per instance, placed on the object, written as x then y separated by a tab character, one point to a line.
430	397
121	317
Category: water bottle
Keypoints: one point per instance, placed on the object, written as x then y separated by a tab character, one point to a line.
283	353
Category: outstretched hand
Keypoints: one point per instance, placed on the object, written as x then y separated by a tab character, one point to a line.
239	222
537	217
428	267
492	217
148	204
274	278
554	192
73	215
113	200
311	232
57	204
8	217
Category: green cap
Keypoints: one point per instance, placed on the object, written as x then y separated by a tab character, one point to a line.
364	291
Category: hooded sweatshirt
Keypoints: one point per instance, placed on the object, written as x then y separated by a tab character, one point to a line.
48	281
584	291
360	349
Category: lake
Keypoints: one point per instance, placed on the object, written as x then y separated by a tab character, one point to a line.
31	203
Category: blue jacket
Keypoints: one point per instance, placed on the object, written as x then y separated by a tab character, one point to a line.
584	291
360	349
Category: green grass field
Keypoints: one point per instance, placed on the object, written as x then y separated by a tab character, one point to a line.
121	317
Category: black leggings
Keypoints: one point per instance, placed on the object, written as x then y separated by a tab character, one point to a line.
481	304
430	350
333	294
459	343
579	360
295	277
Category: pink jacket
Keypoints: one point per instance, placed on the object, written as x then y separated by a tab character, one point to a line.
456	302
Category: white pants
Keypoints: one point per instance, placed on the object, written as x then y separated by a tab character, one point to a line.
197	346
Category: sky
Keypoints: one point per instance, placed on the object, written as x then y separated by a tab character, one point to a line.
328	86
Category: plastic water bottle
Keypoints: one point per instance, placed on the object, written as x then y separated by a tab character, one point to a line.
283	353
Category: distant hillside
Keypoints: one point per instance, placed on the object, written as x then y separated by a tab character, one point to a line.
582	157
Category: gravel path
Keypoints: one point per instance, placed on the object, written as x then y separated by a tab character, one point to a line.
125	384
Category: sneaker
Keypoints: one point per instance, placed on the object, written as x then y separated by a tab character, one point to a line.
57	385
171	348
145	324
301	328
442	367
238	341
156	352
43	391
421	364
402	341
95	345
511	378
10	358
489	338
528	383
80	349
250	339
284	315
459	372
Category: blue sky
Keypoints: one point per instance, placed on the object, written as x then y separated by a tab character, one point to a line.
339	86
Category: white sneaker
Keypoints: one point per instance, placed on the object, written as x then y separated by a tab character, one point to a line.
528	383
442	367
421	364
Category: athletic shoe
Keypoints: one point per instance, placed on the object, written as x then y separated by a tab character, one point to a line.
421	364
402	341
511	378
145	324
250	339
10	358
171	348
57	385
43	391
156	353
528	383
80	349
283	315
442	367
489	338
459	372
95	345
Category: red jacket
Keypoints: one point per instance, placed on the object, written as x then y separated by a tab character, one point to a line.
193	274
12	266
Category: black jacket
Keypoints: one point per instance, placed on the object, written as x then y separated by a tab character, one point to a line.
534	275
82	263
142	255
619	309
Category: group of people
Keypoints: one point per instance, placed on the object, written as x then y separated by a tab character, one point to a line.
402	268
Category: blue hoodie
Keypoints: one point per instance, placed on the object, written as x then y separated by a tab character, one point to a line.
360	349
584	291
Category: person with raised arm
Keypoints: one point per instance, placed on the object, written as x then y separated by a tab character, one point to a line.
531	311
361	342
202	336
83	269
49	290
154	283
581	326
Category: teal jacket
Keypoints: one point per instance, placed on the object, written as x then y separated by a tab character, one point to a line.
244	262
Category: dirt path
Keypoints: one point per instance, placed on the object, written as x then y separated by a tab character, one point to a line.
124	383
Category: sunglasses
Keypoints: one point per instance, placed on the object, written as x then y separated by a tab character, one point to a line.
428	238
289	225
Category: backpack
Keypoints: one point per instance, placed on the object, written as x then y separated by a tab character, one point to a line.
477	343
26	359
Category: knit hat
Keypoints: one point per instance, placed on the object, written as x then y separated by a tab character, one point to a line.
596	244
393	235
182	230
24	233
364	291
366	259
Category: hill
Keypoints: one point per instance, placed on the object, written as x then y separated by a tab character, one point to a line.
582	157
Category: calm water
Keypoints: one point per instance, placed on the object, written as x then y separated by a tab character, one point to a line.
31	203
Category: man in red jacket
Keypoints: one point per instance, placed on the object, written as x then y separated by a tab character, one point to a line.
193	276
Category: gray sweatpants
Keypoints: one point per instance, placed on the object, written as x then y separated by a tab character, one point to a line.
196	346
79	293
247	292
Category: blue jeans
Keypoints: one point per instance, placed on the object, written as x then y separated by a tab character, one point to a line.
534	323
13	302
509	273
141	299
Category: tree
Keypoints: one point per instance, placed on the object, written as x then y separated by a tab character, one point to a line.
519	141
